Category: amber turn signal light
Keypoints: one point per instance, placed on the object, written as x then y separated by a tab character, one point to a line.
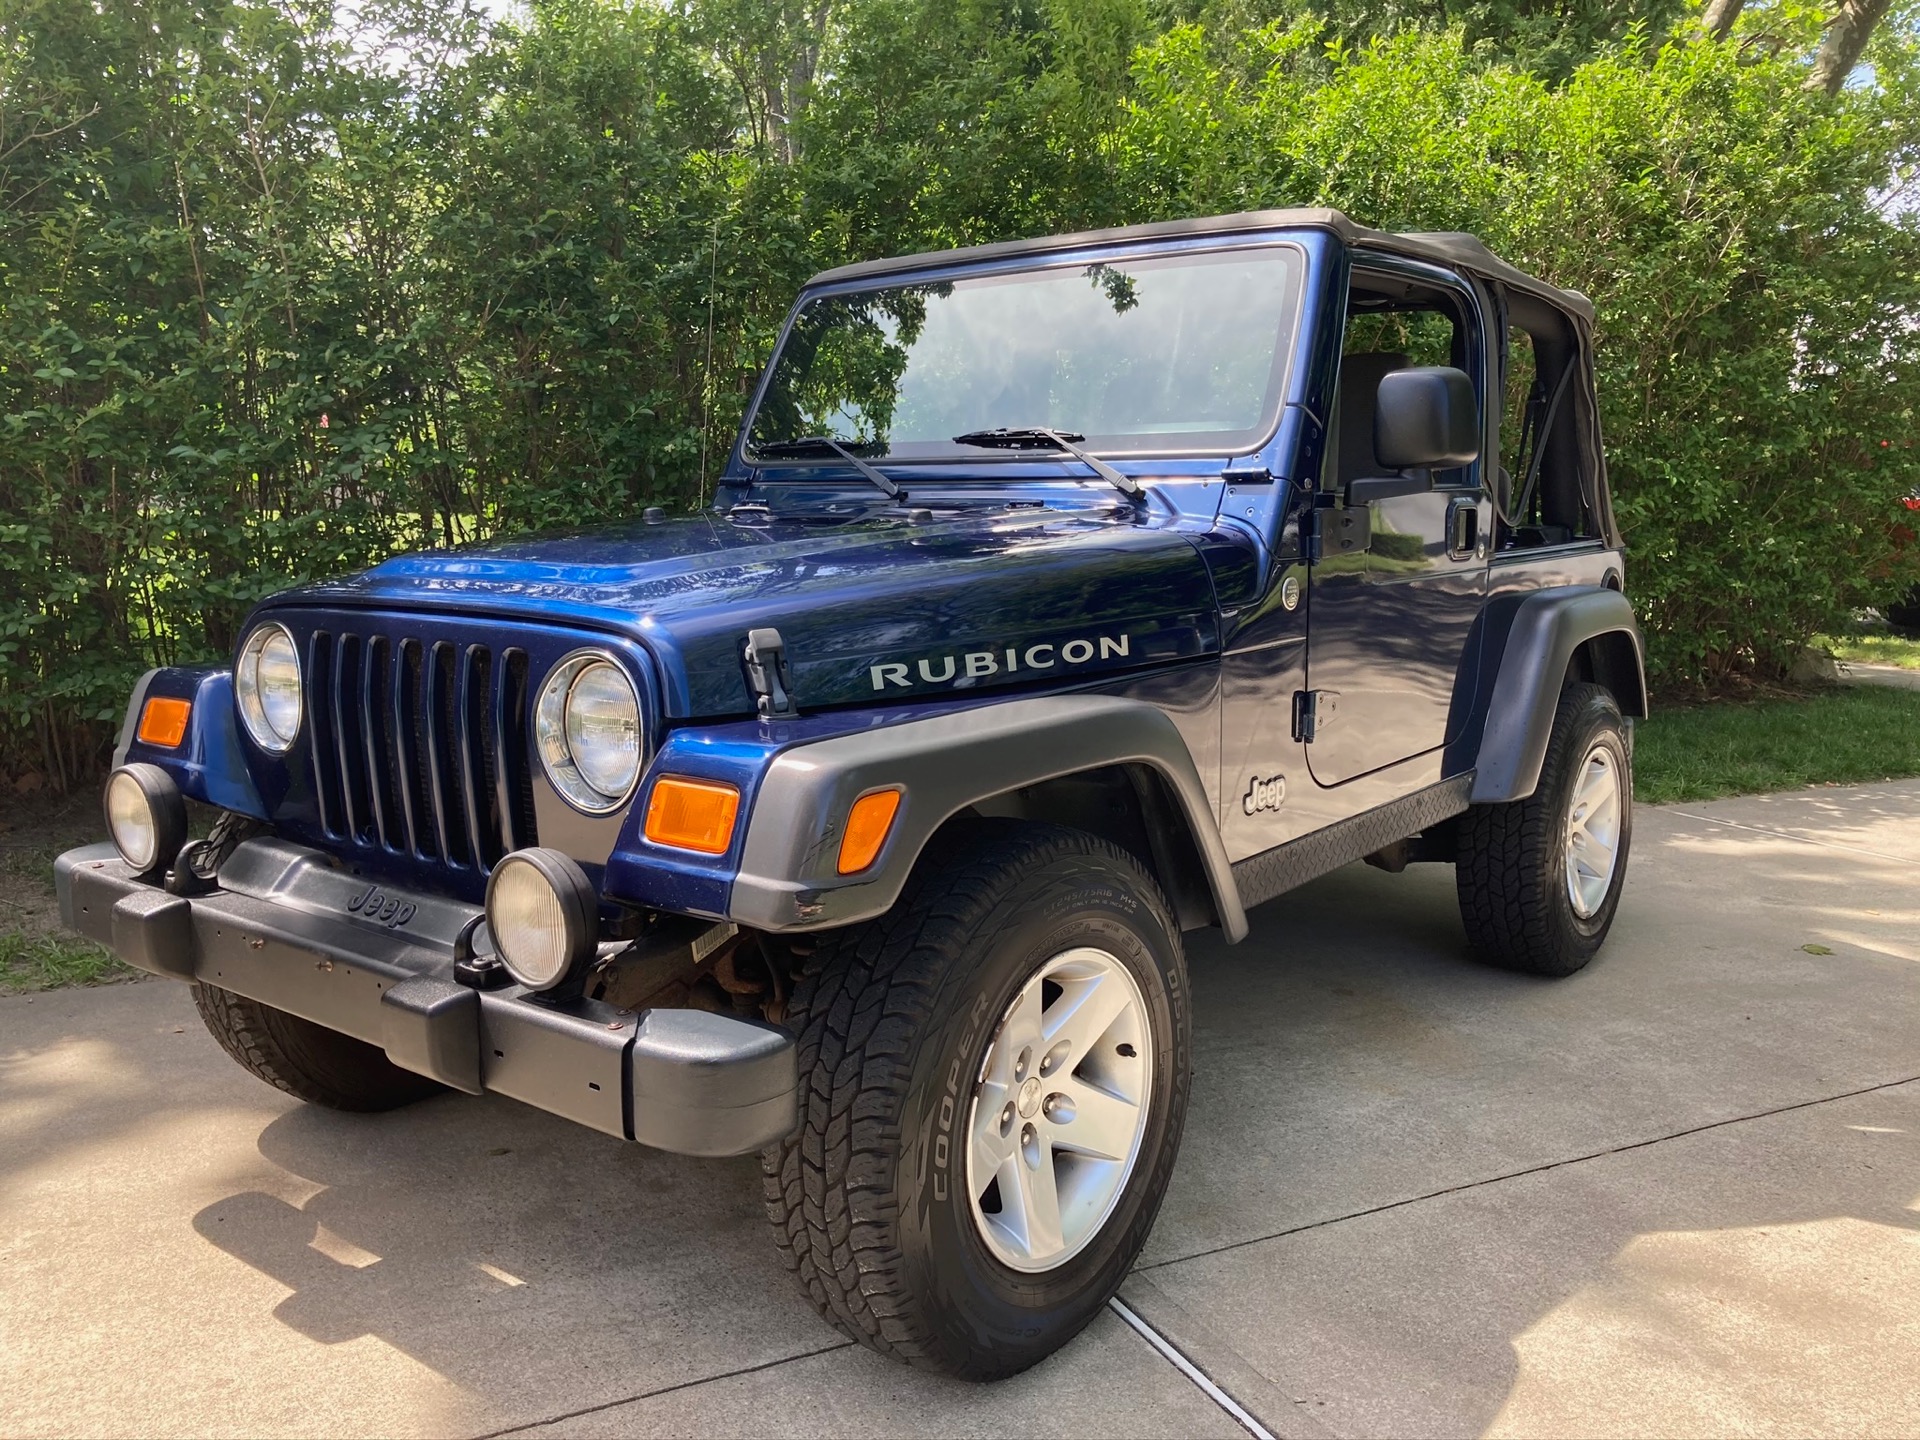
692	814
868	824
163	721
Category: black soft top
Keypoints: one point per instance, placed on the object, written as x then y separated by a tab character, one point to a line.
1446	247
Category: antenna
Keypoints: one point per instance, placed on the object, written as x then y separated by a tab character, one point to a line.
706	379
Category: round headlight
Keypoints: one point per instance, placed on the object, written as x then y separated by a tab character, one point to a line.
541	909
145	816
266	682
587	727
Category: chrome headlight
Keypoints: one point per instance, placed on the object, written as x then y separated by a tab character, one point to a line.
266	682
587	727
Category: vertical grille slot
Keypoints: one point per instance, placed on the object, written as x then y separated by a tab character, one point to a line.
326	775
348	743
513	762
375	707
420	748
443	768
476	794
409	749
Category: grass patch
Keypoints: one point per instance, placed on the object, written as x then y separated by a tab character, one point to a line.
1844	736
1875	648
47	962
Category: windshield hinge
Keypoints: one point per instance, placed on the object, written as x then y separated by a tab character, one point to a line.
1247	475
766	657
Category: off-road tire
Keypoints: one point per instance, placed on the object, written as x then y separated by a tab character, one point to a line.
1511	867
308	1061
868	1197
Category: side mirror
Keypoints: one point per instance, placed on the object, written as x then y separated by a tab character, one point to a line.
1426	418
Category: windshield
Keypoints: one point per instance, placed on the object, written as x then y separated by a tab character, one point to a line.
1173	354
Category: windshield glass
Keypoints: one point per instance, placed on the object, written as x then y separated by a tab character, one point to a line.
1177	353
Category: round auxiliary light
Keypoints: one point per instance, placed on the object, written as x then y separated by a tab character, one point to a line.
587	727
266	683
145	816
544	918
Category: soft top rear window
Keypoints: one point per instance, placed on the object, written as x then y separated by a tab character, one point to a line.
1170	354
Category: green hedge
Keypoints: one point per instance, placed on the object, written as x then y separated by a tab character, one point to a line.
277	298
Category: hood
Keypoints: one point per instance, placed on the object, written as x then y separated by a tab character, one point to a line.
871	607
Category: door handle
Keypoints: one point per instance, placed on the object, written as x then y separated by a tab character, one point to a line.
1463	527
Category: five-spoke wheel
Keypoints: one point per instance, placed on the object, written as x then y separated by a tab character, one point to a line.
1059	1109
1593	831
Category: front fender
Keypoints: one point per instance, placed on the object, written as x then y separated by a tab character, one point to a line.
207	764
787	878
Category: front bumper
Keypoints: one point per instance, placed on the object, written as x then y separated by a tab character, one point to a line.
286	930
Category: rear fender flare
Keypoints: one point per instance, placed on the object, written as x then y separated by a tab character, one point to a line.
788	879
1533	653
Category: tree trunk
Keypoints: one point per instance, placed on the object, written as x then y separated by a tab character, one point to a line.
1717	19
1846	38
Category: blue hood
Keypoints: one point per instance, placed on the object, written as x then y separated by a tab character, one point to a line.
871	606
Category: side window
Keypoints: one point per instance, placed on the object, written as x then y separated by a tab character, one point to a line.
1392	322
1547	477
1515	394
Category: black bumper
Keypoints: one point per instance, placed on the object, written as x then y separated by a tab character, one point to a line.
681	1080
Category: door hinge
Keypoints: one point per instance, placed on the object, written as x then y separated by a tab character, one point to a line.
1306	716
766	658
1327	531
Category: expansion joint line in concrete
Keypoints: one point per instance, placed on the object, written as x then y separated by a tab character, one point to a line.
1171	1352
526	1426
1529	1170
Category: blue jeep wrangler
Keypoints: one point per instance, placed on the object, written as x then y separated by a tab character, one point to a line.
1059	597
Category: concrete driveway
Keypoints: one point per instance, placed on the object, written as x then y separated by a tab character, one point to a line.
1675	1194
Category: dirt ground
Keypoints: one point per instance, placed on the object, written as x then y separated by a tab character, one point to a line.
34	828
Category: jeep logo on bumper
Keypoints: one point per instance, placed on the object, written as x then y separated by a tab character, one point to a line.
375	904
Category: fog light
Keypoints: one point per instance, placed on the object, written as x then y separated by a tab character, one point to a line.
544	917
146	817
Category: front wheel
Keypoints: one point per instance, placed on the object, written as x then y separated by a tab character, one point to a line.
995	1080
1539	879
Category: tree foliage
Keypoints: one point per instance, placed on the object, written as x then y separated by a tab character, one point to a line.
283	290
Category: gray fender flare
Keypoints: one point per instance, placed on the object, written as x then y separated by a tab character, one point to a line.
788	878
1529	663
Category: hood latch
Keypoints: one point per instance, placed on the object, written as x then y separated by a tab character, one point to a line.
766	658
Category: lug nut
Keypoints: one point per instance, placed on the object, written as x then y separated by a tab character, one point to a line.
1058	1108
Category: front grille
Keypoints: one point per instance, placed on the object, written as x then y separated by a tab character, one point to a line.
420	747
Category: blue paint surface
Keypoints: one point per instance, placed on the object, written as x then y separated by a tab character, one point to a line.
1002	575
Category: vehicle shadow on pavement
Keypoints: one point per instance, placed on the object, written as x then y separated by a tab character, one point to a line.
530	1261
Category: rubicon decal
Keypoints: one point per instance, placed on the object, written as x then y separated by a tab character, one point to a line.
968	666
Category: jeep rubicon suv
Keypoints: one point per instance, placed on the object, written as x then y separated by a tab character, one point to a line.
1060	597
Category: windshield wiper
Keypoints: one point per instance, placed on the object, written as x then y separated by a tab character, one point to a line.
1034	437
816	444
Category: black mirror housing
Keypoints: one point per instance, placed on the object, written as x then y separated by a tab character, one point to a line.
1426	418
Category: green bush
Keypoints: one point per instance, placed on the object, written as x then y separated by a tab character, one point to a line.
278	297
1759	333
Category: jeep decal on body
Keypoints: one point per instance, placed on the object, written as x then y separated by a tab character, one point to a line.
973	665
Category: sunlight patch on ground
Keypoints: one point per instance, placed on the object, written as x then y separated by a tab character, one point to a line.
1806	1329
